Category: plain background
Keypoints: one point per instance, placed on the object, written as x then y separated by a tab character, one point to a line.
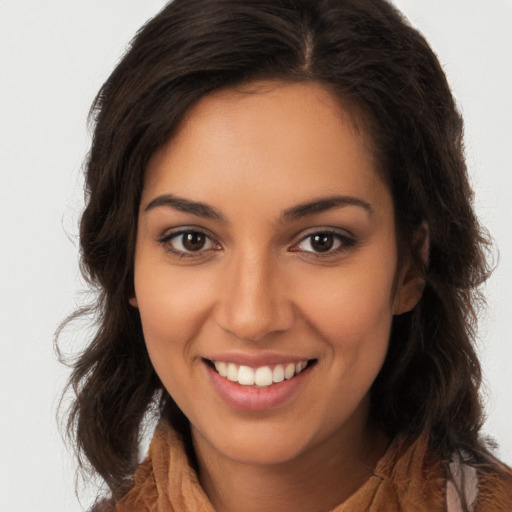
54	55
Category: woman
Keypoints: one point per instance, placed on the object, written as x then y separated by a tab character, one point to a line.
280	228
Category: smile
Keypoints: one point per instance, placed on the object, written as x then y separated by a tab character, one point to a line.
262	376
259	388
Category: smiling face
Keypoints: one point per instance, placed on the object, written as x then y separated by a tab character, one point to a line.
266	271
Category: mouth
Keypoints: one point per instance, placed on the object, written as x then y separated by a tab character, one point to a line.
261	376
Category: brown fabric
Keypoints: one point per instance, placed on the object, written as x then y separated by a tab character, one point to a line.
406	479
495	492
165	482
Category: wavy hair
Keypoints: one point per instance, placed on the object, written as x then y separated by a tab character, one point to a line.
367	55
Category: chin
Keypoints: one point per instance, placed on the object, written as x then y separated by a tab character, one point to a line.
257	444
262	454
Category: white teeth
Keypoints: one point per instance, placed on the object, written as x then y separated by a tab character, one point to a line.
289	371
232	373
278	373
222	368
245	376
262	376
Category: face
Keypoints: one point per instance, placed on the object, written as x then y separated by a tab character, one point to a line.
266	271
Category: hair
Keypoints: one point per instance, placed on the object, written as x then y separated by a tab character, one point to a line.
366	54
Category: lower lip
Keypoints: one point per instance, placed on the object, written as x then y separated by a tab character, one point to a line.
256	399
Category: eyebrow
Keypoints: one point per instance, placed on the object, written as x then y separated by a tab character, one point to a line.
296	212
323	204
185	205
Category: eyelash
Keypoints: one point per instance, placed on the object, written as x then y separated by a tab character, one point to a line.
166	242
342	243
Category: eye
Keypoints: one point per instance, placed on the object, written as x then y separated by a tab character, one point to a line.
324	242
188	243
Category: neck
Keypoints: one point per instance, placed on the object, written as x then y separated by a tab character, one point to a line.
318	479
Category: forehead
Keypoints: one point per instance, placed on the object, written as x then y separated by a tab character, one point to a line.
266	137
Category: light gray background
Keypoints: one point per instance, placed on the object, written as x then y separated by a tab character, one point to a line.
54	55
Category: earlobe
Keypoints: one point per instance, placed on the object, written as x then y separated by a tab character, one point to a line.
411	280
133	302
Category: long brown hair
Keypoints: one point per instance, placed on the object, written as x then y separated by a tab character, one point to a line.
364	52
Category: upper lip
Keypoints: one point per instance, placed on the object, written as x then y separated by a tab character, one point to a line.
256	360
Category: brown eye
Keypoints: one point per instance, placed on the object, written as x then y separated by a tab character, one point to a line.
188	243
322	242
194	241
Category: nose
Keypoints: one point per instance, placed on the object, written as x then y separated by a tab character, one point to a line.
254	302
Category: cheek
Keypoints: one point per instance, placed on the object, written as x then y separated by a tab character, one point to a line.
172	305
351	315
351	305
352	312
172	308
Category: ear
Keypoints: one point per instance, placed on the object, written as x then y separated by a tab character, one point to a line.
133	302
411	282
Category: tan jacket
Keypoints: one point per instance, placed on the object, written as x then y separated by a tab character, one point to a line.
407	479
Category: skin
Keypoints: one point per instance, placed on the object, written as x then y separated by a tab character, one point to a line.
258	285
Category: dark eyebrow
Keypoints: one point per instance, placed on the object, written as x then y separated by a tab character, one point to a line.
296	212
323	204
185	205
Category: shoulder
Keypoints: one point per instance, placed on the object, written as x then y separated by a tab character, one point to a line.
103	505
421	478
461	486
494	489
143	493
138	495
478	487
